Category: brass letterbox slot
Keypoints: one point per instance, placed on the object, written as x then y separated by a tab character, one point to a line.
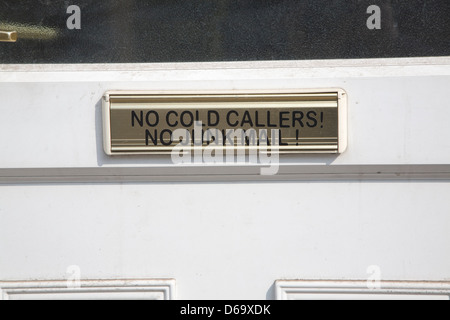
312	121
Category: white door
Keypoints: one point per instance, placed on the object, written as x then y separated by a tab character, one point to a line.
70	213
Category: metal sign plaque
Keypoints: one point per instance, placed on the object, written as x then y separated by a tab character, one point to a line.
287	122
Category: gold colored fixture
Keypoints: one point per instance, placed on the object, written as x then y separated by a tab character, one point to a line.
8	36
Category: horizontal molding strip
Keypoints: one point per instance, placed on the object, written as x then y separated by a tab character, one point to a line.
360	63
231	173
164	289
303	289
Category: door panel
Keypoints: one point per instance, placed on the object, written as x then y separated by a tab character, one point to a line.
224	231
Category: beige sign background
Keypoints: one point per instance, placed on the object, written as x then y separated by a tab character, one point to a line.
289	122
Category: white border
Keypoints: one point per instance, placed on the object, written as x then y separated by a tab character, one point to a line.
342	109
159	287
292	289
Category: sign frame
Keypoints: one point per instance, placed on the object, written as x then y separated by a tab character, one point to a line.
342	106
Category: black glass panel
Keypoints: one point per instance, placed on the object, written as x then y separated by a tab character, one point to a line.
124	31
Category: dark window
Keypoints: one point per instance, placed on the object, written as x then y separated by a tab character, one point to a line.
114	31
